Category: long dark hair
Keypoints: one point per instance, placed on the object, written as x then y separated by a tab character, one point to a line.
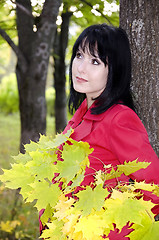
113	48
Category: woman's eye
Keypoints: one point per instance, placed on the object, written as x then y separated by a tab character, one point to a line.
78	55
95	62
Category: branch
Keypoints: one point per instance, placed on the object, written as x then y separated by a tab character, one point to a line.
25	10
90	5
14	47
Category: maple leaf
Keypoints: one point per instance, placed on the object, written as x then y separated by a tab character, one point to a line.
144	186
47	215
85	148
42	164
30	147
22	158
156	190
99	177
74	157
63	207
91	226
69	226
76	182
19	176
45	193
112	174
147	230
59	139
91	199
54	232
130	167
46	143
122	208
76	236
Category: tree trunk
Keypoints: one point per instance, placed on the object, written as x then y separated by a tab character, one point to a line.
59	47
140	19
32	73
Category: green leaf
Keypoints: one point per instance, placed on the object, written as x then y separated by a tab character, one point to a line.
30	147
148	230
22	158
123	207
59	139
113	174
45	193
47	215
130	167
91	199
75	159
42	164
19	176
54	232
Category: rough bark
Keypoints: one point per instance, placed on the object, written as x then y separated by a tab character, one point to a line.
31	75
59	47
140	19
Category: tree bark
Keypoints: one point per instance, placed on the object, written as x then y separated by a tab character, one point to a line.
140	19
59	47
31	74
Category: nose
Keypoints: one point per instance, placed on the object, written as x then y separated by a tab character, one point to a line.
82	66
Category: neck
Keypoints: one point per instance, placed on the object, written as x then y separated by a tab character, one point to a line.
89	102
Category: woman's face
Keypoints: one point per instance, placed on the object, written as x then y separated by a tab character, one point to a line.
89	74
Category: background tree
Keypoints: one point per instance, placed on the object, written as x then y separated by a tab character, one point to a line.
140	18
59	53
35	38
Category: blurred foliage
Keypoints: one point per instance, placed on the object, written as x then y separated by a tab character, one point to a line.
17	221
7	19
50	100
9	100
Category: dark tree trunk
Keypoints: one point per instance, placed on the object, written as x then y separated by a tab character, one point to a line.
32	72
59	47
140	18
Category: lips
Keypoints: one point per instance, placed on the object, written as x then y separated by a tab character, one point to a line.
81	80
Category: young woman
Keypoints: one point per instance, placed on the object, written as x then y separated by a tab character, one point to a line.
100	75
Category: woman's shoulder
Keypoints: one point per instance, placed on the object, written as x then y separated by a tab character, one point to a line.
118	110
120	115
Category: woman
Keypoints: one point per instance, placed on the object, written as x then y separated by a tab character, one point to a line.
100	75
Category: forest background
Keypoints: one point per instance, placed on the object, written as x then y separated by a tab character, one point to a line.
37	38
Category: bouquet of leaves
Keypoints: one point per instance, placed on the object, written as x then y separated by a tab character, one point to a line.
51	175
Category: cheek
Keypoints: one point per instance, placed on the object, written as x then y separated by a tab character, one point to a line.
73	66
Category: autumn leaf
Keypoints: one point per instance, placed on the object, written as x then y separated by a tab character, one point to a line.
91	199
45	193
54	231
42	165
91	226
130	167
19	176
148	230
74	159
123	207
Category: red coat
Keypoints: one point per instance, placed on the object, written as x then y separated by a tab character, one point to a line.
116	135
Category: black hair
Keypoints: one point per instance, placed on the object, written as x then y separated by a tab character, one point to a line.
113	49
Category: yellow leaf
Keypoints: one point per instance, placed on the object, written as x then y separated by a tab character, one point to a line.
9	226
91	226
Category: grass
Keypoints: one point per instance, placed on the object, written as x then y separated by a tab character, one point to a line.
11	204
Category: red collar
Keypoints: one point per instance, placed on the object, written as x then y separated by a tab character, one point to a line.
84	113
